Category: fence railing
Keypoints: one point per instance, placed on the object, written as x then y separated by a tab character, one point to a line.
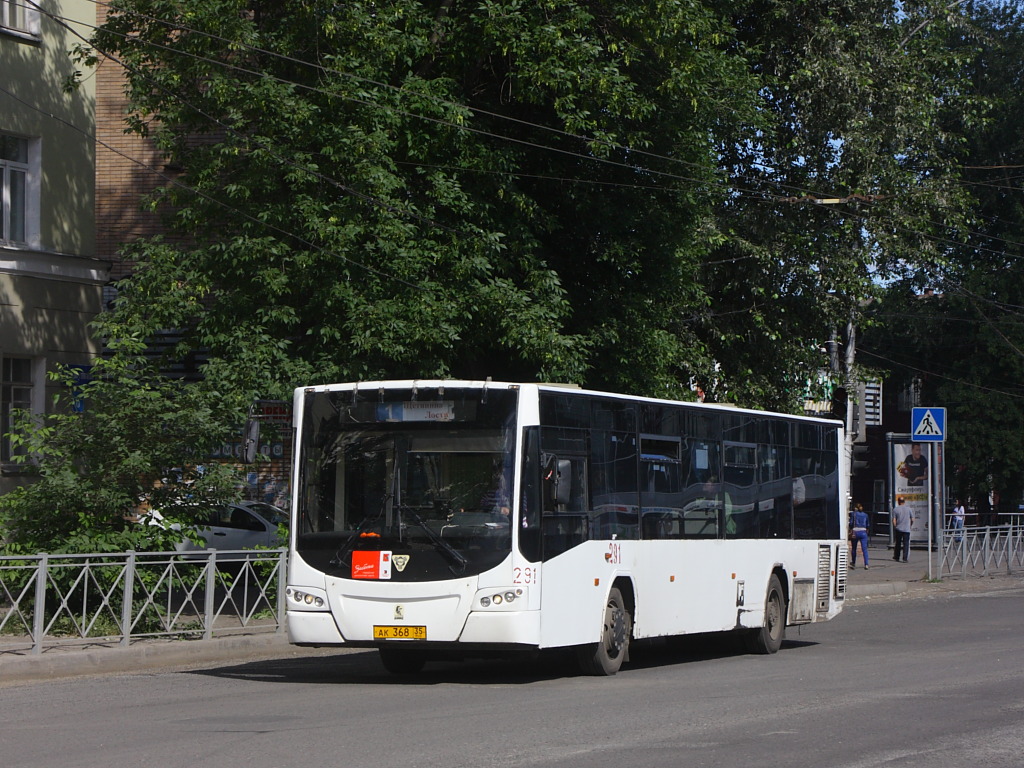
982	551
120	597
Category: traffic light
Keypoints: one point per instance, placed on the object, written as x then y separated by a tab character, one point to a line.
838	404
861	458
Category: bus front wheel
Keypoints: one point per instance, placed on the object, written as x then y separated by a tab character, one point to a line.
768	639
402	661
606	656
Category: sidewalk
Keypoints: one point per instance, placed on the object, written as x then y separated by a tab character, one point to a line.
886	577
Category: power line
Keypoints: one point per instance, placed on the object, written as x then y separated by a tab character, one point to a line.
209	198
439	121
937	375
370	199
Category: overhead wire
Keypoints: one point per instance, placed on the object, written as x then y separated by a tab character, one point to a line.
199	193
632	167
447	123
936	374
447	102
320	68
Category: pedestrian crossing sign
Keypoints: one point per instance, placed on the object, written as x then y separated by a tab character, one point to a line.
928	424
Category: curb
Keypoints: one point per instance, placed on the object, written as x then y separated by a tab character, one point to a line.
883	589
56	663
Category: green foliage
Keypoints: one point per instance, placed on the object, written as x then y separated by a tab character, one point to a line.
136	441
964	345
604	193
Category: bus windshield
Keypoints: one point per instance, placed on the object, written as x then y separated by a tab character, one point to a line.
427	482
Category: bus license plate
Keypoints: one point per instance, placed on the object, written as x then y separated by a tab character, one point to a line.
392	632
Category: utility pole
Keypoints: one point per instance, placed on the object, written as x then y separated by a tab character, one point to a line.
852	392
842	364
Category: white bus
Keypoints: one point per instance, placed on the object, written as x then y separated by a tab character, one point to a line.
459	517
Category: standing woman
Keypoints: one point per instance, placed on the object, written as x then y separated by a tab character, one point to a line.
859	526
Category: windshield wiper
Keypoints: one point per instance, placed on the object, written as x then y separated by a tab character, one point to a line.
344	548
459	562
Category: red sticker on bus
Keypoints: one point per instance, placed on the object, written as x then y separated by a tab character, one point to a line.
371	565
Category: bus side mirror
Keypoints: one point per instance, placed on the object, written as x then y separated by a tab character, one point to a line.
251	441
563	482
557	480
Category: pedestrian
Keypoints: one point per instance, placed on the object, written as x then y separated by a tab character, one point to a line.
902	519
959	515
859	528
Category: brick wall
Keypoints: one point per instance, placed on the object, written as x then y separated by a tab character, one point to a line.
127	168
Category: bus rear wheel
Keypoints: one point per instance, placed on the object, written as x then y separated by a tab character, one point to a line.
402	661
768	639
605	657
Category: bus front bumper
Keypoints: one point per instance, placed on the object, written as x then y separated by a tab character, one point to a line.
481	628
309	628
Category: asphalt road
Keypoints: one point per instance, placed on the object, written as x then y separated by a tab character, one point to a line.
903	682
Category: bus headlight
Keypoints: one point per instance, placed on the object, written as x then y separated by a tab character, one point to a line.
306	599
507	599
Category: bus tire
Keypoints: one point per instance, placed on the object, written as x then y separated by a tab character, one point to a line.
606	656
768	639
402	661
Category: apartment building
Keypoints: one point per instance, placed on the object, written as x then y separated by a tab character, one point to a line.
51	281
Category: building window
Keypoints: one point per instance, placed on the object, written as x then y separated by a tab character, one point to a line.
19	16
16	185
17	392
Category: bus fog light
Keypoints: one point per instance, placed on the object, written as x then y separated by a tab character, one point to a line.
485	601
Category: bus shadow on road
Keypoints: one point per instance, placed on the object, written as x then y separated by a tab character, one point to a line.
365	668
688	649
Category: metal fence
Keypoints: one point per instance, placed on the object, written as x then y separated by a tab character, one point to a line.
982	551
48	600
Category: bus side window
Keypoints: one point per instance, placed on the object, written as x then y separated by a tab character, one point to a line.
614	510
565	521
703	491
661	487
740	490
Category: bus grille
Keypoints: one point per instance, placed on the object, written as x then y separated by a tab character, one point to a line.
842	566
824	576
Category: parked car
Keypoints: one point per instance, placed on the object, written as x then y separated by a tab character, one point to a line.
242	525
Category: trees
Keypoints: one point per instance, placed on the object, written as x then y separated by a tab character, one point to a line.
514	189
965	344
419	189
131	439
859	98
613	193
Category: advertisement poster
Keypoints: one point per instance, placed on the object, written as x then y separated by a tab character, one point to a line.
912	482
